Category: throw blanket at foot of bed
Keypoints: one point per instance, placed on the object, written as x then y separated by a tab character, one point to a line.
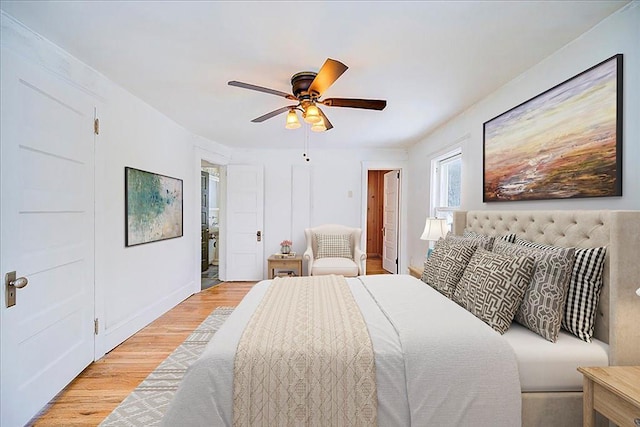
305	358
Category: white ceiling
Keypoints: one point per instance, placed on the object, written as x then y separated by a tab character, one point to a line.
429	60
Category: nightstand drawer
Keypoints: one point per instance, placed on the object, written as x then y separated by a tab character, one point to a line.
614	407
288	264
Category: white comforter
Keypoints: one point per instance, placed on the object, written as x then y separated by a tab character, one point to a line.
436	364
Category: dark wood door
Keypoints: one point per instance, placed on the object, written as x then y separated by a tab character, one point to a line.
204	219
375	207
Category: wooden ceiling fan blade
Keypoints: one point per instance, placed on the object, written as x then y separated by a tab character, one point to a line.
272	114
328	74
327	123
261	89
367	104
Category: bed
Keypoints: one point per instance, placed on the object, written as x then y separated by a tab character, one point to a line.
618	313
414	327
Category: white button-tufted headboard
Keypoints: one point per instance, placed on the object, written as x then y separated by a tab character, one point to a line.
618	316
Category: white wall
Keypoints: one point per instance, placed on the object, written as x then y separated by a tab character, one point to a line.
299	194
619	33
133	285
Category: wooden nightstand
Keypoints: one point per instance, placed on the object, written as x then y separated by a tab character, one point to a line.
614	391
293	264
416	271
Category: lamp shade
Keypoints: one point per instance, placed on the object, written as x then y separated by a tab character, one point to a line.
292	120
319	126
312	115
434	229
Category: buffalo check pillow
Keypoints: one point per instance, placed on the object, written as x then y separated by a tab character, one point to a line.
584	289
334	246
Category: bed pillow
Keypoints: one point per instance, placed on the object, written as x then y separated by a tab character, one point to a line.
584	289
492	287
511	238
444	268
543	304
334	246
485	242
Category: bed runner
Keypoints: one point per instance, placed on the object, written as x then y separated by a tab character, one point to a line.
305	358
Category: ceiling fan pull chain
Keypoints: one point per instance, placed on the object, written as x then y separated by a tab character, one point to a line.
306	143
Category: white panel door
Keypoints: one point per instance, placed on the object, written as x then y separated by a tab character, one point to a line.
390	222
245	214
46	230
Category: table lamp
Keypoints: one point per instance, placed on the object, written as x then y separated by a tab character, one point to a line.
434	229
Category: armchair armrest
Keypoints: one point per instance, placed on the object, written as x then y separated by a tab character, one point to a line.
308	257
360	258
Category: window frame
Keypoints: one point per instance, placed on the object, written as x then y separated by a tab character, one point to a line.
439	186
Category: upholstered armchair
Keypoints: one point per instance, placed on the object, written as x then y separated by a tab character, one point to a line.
334	249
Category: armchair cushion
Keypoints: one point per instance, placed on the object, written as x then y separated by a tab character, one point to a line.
333	246
340	266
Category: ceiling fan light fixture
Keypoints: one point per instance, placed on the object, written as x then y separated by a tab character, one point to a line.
292	120
319	126
312	114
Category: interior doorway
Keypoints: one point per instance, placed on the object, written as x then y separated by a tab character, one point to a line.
209	224
383	219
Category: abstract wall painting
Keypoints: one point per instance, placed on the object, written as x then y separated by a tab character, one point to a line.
153	207
563	143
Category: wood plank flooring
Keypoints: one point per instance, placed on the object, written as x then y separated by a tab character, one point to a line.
104	384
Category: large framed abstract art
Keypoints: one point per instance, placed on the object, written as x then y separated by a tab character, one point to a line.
563	143
153	207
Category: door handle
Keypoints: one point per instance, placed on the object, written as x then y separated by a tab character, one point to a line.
259	236
11	284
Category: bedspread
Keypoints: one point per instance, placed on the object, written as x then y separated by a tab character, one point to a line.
305	358
436	364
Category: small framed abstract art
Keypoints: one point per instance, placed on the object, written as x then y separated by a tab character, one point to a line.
153	207
563	143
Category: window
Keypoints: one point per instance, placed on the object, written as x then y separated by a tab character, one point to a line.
446	172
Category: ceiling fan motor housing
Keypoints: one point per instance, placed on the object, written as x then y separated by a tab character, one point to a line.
300	83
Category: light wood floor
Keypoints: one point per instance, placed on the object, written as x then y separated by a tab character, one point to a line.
104	384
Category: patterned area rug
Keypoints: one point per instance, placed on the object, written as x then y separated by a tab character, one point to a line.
146	405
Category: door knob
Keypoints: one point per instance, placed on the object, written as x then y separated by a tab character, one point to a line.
11	284
259	236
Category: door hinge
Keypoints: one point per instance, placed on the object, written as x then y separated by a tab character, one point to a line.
96	126
96	326
398	174
396	261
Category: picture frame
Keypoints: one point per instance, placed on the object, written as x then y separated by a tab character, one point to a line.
563	143
153	207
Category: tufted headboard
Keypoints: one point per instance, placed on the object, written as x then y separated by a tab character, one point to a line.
618	315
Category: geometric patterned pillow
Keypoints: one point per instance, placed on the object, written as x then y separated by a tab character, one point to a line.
543	304
482	241
492	287
584	289
334	246
444	267
511	238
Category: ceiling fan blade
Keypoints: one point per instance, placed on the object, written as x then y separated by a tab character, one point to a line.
367	104
328	74
327	123
273	114
262	89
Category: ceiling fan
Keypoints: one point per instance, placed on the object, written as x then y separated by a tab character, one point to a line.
307	88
